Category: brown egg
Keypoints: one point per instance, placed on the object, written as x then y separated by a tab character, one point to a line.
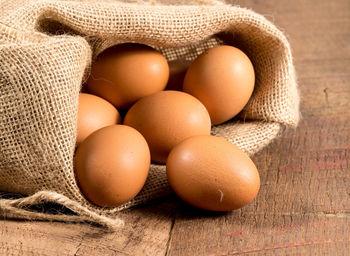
166	118
212	174
178	70
223	79
125	73
93	114
112	164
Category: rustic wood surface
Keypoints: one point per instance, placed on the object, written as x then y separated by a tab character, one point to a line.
303	207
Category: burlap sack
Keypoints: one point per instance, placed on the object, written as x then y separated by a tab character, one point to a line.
46	48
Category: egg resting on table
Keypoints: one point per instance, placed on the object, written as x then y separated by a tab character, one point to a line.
212	174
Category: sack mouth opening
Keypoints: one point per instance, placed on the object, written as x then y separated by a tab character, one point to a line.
49	27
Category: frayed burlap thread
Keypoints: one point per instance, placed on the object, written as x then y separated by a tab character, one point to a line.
46	48
17	208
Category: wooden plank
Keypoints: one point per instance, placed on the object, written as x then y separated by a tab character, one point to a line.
146	233
303	207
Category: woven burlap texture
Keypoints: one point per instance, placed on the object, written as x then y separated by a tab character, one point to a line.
46	48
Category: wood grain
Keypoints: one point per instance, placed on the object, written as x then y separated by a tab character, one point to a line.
146	233
303	207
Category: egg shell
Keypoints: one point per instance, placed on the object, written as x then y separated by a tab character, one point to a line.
223	79
112	164
93	114
212	174
166	118
125	73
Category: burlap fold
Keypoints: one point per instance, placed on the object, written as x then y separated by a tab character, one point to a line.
46	48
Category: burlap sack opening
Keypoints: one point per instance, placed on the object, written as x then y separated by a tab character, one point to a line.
43	67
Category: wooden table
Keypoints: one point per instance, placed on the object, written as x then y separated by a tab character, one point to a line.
303	207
